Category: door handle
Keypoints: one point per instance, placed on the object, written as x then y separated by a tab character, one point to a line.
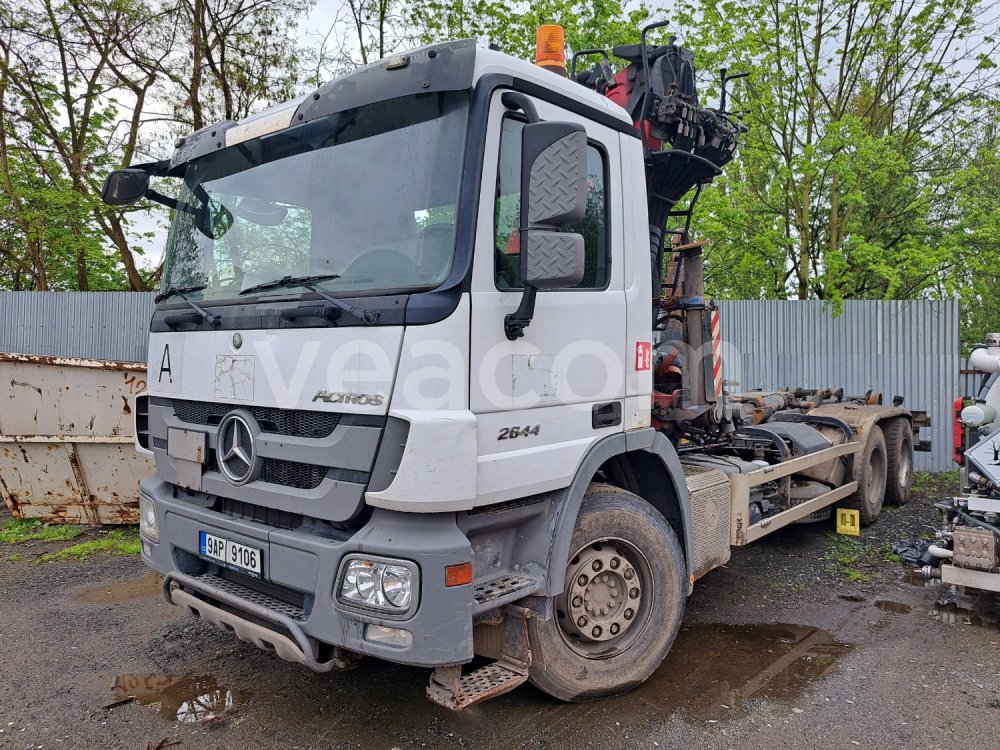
606	415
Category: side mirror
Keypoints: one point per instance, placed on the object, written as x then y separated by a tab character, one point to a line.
553	196
123	187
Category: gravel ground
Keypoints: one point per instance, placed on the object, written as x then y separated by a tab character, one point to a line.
803	641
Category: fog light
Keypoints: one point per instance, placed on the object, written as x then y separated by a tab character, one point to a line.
147	549
147	519
396	637
386	585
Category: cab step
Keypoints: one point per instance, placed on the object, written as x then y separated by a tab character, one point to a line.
475	687
502	590
455	691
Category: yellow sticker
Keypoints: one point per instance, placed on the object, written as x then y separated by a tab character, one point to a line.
848	522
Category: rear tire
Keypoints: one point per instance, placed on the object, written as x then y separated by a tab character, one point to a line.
623	601
899	452
871	475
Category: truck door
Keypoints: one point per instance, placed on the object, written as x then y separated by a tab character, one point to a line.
541	401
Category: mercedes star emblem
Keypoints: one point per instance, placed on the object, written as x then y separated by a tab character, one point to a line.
235	448
237	341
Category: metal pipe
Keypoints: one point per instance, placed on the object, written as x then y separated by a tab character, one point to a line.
985	359
940	552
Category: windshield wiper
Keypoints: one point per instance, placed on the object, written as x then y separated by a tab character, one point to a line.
213	320
368	316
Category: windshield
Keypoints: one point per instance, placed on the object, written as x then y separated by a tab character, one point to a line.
369	194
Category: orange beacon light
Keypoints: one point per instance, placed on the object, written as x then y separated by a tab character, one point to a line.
550	48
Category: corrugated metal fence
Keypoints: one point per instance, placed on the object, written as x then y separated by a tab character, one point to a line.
909	348
92	325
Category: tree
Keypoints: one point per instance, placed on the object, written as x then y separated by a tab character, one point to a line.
860	115
240	56
55	113
78	83
588	25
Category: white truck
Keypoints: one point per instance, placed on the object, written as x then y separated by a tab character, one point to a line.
968	544
425	384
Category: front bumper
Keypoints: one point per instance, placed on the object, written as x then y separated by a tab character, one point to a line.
304	563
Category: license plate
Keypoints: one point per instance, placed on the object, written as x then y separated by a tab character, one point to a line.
241	557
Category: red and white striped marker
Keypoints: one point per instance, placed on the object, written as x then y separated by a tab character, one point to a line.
716	353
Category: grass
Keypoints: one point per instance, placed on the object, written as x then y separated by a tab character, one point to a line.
889	555
848	555
118	542
15	531
13	558
928	483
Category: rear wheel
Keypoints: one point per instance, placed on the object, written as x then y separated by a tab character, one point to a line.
622	604
899	455
871	476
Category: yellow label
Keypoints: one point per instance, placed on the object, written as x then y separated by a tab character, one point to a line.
848	522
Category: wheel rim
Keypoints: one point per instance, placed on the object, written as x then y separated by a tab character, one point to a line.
607	599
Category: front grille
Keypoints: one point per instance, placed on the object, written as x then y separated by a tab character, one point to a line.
292	474
277	471
291	422
281	519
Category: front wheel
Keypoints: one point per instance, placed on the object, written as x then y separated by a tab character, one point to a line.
622	604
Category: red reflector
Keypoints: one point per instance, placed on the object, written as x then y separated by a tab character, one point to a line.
458	575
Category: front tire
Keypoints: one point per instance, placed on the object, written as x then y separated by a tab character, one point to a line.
622	605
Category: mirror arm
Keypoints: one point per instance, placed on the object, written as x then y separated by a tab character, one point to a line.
154	168
514	323
515	100
162	199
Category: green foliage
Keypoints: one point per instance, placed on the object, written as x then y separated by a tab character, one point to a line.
890	555
595	24
849	557
78	82
870	166
933	485
15	531
120	542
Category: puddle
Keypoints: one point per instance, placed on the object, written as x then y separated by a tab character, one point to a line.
712	666
713	673
186	699
915	578
897	608
982	614
146	587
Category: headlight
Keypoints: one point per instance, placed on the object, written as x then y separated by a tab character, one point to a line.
147	519
389	586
